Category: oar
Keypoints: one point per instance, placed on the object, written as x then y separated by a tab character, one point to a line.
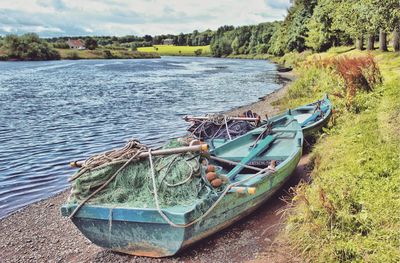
261	146
194	148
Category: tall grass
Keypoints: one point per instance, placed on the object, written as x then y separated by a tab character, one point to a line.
350	211
358	73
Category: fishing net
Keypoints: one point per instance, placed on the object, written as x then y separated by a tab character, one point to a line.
178	179
222	127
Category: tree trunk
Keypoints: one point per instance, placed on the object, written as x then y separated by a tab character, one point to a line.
396	39
371	42
360	43
382	41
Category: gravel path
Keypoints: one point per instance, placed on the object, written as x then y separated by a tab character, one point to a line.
38	233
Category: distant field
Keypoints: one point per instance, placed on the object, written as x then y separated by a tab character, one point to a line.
168	50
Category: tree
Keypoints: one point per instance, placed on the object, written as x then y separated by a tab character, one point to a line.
396	39
29	47
148	38
91	43
322	35
350	16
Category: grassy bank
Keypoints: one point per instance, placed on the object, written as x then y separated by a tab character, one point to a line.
102	53
251	56
169	50
350	211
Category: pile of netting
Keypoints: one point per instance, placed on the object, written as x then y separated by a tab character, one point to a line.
222	127
177	176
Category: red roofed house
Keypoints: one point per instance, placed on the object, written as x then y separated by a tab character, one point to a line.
76	44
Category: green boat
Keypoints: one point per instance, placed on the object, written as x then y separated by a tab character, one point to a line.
311	117
252	167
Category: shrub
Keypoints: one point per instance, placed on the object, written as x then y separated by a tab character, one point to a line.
198	52
108	54
358	73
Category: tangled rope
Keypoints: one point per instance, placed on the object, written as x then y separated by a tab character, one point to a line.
115	156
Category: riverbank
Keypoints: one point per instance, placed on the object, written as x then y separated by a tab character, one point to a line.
73	54
102	53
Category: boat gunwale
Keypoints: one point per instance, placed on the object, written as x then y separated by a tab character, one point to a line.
180	217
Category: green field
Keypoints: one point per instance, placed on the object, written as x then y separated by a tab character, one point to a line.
169	50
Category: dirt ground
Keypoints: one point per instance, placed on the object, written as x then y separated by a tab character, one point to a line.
38	233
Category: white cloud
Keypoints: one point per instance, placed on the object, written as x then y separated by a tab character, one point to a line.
122	17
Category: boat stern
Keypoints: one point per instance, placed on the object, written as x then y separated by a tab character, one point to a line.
140	232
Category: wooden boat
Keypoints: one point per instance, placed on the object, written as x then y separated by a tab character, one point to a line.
311	117
161	232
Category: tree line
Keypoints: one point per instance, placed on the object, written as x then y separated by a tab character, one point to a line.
316	25
195	38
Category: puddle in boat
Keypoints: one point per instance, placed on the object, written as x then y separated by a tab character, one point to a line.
54	112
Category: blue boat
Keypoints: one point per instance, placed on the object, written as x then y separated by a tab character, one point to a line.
254	166
311	117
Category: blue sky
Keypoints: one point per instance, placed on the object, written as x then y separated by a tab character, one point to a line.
126	17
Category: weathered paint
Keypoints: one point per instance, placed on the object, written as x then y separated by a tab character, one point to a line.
311	127
144	232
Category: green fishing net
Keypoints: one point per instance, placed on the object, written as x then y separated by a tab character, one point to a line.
177	176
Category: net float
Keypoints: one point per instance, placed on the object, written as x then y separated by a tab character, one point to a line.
210	168
216	182
211	176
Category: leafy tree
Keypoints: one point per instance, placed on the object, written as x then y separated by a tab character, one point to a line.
322	35
291	35
29	47
91	43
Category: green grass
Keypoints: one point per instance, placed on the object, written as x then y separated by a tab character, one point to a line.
350	211
251	56
169	50
100	53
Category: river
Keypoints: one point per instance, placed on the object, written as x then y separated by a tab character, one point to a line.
53	112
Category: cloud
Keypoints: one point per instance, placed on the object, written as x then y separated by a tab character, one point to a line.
107	17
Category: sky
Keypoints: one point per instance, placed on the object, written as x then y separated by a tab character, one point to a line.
50	18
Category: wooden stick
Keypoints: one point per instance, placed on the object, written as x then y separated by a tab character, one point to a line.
201	118
194	148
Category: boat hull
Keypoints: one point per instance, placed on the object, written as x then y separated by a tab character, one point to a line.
143	232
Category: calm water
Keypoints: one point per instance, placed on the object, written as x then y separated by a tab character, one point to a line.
58	111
